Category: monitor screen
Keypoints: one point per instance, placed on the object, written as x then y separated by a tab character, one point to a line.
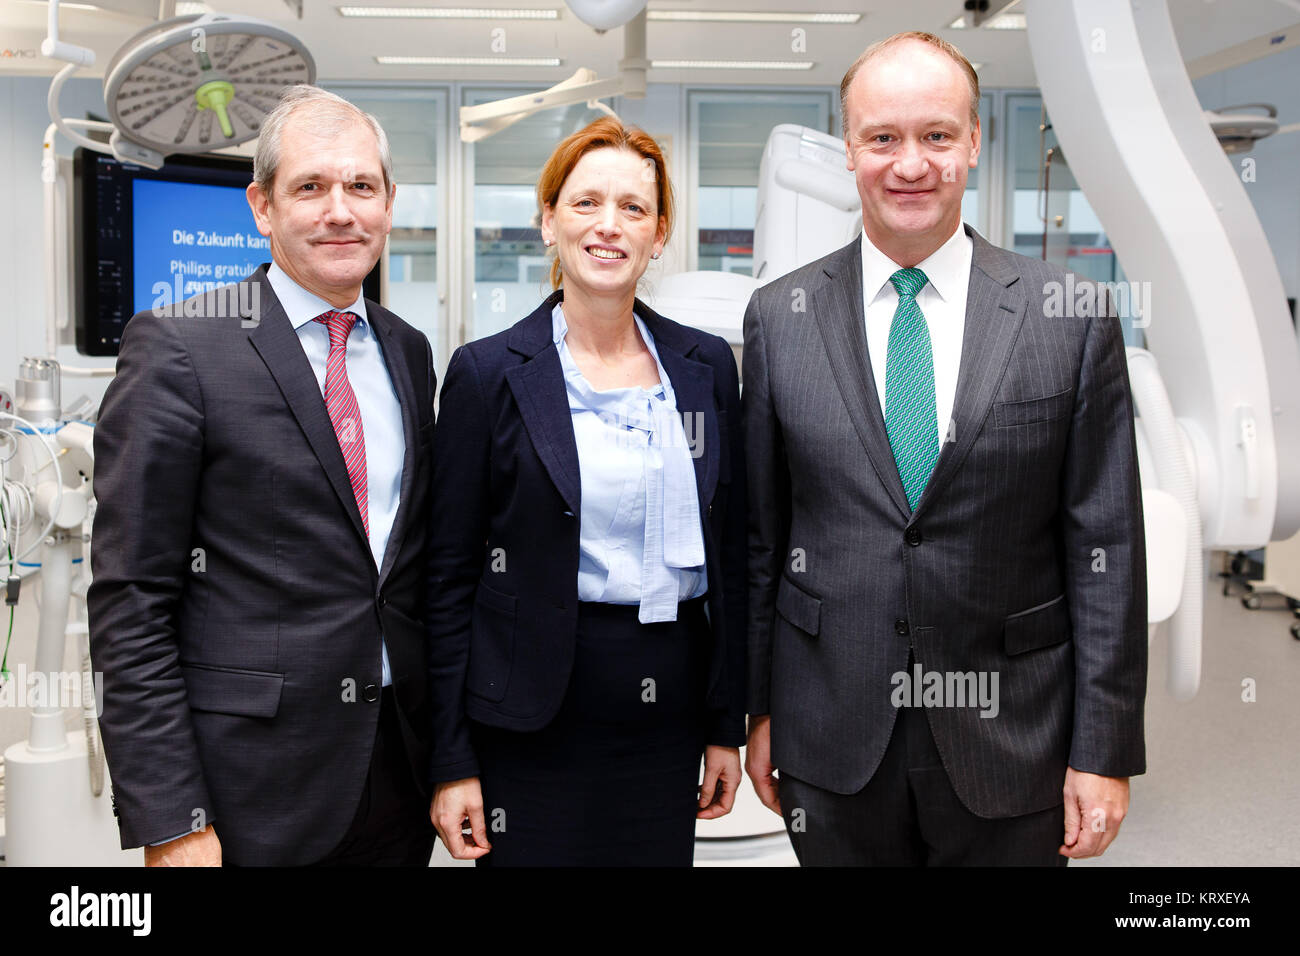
150	238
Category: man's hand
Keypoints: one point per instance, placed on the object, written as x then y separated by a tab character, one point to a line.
758	762
200	848
453	803
721	781
1094	808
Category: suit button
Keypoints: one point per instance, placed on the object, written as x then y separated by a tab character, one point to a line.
371	693
913	536
383	601
900	627
710	513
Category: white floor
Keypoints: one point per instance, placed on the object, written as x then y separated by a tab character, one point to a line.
1222	785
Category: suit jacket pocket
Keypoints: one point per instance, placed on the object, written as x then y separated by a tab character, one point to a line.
1039	626
1034	410
492	645
232	690
797	606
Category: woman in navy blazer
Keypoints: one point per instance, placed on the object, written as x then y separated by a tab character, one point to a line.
575	685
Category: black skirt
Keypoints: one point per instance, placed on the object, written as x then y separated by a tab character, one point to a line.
613	779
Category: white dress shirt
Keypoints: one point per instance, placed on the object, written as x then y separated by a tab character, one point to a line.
381	412
943	303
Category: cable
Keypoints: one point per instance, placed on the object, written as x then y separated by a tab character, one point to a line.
58	501
4	658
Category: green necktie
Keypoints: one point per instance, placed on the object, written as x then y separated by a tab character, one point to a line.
910	416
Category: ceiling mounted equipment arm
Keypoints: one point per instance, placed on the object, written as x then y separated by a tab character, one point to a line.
481	121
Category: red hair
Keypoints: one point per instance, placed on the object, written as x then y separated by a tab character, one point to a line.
606	132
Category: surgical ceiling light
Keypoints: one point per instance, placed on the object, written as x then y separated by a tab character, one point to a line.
189	84
1238	132
602	15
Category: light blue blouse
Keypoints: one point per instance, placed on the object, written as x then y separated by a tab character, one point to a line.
640	537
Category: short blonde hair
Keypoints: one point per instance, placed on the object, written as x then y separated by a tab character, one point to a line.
939	43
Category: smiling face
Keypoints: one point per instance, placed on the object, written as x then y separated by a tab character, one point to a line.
910	145
605	223
328	214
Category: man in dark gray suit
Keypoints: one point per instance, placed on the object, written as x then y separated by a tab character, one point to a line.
263	458
948	586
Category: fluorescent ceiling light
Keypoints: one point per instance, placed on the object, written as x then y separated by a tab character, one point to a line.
741	16
72	6
1006	21
731	64
448	13
1003	21
469	60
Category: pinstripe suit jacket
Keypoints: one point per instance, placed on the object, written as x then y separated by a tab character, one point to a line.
1024	558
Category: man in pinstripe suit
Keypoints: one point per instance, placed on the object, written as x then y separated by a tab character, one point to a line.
944	508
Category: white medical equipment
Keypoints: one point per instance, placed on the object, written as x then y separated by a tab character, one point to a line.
1220	416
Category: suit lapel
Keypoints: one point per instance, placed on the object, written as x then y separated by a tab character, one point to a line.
838	307
995	310
399	372
277	343
543	400
538	387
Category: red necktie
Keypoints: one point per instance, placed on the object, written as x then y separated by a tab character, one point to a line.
341	404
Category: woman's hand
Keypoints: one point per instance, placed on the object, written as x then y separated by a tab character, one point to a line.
453	803
721	780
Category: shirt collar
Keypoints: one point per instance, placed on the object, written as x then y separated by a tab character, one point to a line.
560	328
947	268
302	306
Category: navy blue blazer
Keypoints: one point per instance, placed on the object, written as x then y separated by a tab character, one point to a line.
503	538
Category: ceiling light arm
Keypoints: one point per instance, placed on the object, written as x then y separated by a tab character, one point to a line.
65	125
481	121
76	57
57	49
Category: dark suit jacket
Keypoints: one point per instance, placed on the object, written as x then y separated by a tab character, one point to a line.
503	557
241	682
995	571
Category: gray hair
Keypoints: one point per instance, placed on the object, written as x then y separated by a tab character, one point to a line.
330	115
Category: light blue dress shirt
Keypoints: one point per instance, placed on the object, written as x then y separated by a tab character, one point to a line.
640	537
381	412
